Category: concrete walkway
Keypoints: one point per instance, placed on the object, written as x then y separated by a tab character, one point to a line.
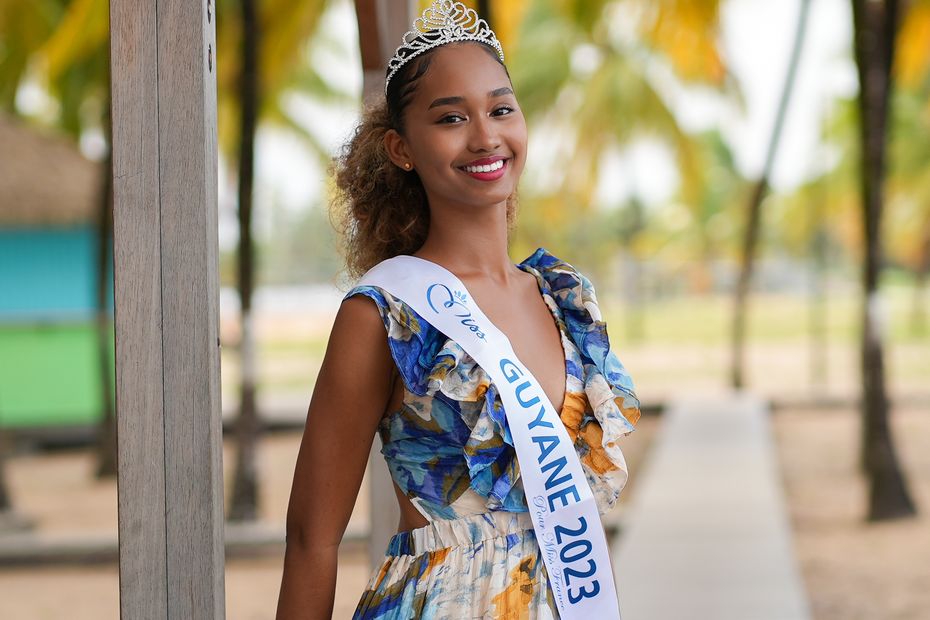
707	535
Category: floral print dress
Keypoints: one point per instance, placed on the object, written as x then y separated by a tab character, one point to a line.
449	450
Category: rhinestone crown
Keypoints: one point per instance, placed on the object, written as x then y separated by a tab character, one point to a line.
443	22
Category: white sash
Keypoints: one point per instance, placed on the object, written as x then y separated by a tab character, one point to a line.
565	516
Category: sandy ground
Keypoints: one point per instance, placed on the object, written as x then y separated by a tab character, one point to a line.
852	569
59	492
855	570
80	593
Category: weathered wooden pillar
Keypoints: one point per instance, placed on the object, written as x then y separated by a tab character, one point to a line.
163	63
381	24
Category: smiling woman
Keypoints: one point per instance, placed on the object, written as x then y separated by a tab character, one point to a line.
476	134
384	171
496	394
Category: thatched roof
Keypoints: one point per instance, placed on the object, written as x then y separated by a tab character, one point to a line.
44	179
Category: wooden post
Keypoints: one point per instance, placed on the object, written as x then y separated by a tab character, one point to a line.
170	480
380	31
381	24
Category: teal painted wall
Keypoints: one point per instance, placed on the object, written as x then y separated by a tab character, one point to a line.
48	273
49	367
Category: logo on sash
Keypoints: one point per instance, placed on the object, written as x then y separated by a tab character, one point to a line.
457	301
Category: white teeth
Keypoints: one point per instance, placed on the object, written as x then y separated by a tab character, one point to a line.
488	168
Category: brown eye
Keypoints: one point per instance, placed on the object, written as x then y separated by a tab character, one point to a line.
451	119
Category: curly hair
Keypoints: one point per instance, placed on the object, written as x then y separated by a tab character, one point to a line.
379	210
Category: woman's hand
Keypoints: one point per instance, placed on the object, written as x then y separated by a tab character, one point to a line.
351	394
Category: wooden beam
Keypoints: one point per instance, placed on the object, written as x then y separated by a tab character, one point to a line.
163	62
381	24
369	35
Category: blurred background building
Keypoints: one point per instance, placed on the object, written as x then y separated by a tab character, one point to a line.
49	272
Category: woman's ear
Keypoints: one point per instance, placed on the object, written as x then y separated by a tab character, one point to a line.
397	150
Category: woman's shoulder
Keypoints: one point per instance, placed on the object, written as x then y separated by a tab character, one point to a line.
413	342
557	271
393	310
571	288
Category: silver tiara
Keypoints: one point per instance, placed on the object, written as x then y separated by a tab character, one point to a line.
443	22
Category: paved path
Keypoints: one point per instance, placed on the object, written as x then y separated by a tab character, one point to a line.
707	534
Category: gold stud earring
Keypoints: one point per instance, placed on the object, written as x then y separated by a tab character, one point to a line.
408	166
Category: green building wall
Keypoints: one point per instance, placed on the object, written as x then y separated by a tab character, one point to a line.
49	359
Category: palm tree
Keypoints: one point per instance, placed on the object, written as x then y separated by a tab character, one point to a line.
10	519
81	37
608	101
6	503
69	42
70	38
754	211
77	73
107	449
244	502
484	10
719	186
613	101
272	35
875	26
25	26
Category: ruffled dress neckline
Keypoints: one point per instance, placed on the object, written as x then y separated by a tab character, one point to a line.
546	294
449	447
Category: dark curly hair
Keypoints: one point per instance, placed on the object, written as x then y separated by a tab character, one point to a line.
380	210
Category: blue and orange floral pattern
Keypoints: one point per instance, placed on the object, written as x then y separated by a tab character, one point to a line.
449	450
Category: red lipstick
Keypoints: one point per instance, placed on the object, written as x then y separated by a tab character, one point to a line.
487	168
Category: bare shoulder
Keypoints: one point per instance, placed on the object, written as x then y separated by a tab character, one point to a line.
359	311
358	336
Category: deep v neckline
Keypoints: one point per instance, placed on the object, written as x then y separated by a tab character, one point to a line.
545	291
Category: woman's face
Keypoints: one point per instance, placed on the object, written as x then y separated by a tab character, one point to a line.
463	131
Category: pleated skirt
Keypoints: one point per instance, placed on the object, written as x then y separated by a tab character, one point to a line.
480	566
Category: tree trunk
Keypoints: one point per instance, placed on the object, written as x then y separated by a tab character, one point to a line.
106	434
750	239
6	503
875	28
244	503
484	11
10	520
751	236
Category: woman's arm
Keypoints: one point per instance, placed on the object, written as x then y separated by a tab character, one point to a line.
350	396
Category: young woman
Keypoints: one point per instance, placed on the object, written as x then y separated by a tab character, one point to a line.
432	172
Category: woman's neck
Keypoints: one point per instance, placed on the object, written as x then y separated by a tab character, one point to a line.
470	243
